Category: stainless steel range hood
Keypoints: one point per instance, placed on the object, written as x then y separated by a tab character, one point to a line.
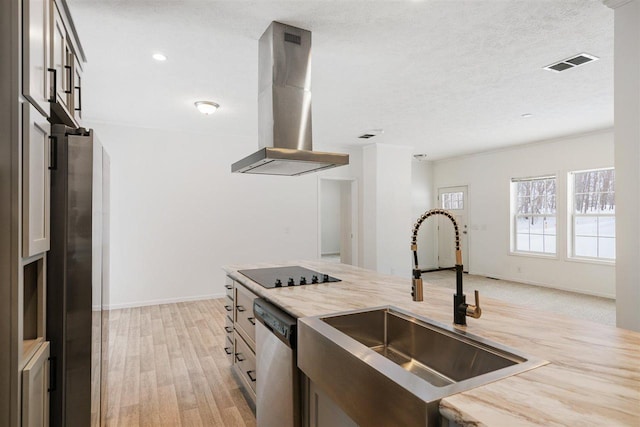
284	108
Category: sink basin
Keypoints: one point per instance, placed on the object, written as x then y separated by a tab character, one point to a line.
386	366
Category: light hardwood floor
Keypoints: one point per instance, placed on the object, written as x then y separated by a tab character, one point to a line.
166	366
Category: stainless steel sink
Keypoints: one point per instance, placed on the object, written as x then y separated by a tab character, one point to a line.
386	366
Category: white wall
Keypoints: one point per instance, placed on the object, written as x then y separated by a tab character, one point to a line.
423	199
488	178
330	202
627	148
387	205
178	214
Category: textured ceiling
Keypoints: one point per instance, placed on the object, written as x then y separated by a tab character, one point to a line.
446	77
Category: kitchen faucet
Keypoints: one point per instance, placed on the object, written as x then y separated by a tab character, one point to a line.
460	307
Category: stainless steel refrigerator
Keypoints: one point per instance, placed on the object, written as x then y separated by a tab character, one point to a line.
77	274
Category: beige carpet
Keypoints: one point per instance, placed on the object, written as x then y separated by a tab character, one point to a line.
595	309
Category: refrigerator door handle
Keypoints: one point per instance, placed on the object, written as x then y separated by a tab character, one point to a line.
53	156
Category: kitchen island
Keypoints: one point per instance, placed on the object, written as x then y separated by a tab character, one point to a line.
593	377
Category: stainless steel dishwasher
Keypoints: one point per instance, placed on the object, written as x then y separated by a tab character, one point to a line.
278	396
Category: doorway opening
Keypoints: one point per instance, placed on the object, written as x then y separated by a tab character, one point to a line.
338	220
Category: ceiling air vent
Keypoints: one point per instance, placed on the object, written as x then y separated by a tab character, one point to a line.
370	133
572	62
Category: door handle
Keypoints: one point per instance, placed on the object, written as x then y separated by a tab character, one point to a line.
228	308
252	320
239	357
251	374
229	329
228	287
228	350
241	308
464	232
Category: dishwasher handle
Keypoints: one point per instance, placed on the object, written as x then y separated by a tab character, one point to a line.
277	321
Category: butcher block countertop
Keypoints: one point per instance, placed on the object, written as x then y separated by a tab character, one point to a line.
593	378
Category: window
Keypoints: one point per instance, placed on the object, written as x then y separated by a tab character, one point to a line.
453	200
534	222
593	214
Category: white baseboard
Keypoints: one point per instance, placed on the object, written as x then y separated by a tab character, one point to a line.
162	301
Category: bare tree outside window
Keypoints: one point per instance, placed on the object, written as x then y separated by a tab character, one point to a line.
594	209
535	215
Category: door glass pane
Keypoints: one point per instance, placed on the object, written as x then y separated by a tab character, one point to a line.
453	200
445	201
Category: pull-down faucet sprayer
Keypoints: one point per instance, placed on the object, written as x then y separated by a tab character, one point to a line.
460	308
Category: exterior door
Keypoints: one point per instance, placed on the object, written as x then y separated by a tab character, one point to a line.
455	200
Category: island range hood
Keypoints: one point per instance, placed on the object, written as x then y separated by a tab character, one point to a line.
284	108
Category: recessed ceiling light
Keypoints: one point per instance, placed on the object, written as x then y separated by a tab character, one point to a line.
526	115
420	157
207	107
159	57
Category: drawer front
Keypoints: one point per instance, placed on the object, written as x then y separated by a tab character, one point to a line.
228	286
229	308
245	320
229	349
245	362
228	328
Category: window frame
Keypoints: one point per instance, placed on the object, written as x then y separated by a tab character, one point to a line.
515	216
571	221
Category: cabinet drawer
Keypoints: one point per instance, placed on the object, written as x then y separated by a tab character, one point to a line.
228	308
245	321
229	349
245	362
228	285
35	389
228	328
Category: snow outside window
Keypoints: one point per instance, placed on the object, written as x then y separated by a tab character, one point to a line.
593	219
453	200
534	221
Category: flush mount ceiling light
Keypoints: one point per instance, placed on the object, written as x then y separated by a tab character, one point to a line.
526	115
206	107
160	57
571	62
420	157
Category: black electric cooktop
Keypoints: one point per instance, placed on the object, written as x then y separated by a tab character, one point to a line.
280	277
